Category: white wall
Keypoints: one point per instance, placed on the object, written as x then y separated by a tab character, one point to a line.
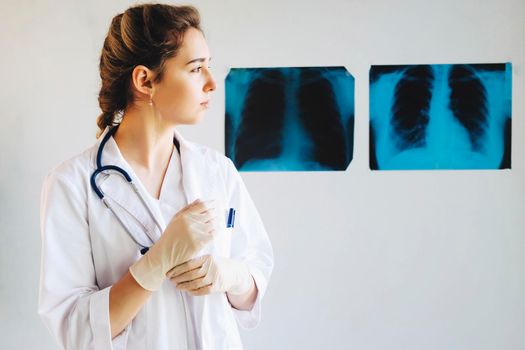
383	260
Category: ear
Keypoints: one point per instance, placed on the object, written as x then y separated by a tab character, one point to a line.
141	79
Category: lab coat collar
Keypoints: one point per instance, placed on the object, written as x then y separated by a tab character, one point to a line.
197	175
116	189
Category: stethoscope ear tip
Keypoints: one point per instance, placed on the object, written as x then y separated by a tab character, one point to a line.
144	250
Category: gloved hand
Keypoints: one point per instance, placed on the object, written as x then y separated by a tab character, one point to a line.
188	231
210	274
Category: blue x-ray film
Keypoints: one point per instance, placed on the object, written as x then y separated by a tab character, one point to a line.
443	116
289	119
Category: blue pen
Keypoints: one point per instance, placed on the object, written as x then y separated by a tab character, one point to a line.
231	218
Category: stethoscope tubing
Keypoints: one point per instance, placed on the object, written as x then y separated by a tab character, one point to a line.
105	168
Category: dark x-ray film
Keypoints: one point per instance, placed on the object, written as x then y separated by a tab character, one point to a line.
290	119
443	116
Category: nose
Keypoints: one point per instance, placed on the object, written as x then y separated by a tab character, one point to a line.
210	83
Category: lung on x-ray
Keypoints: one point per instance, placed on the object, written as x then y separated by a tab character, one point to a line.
445	116
289	119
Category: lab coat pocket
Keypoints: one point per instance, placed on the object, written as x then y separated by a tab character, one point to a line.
222	234
222	242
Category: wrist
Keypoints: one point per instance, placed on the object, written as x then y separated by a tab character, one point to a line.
147	273
243	280
244	301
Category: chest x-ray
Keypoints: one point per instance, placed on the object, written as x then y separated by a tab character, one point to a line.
283	119
440	116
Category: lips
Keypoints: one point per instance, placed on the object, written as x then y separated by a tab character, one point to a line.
205	103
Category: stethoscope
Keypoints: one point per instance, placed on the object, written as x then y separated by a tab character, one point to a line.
103	168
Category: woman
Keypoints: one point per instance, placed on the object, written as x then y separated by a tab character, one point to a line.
156	269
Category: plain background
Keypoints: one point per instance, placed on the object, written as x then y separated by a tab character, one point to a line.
363	260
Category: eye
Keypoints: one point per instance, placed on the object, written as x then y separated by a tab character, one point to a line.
198	69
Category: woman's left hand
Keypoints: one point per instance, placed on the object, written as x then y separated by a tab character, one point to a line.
209	274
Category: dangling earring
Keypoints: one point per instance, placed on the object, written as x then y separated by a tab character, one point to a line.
150	100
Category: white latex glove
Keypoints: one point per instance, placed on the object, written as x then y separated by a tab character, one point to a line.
209	274
188	231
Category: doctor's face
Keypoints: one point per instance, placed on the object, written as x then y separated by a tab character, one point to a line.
183	94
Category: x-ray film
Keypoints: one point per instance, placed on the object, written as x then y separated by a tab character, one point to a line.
289	119
443	116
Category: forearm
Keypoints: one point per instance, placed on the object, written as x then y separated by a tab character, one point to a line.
126	298
244	301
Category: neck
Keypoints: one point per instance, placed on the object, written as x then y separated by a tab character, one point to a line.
144	140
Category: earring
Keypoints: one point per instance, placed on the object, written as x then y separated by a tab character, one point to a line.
150	100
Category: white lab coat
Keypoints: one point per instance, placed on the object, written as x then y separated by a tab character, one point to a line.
85	250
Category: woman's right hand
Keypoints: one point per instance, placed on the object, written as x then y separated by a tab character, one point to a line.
188	231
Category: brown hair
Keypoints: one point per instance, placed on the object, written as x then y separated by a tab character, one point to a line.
147	34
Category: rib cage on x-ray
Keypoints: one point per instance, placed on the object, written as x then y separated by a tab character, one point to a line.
317	98
290	118
440	116
411	106
261	131
468	102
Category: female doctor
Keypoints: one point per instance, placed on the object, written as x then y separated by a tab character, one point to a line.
140	247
